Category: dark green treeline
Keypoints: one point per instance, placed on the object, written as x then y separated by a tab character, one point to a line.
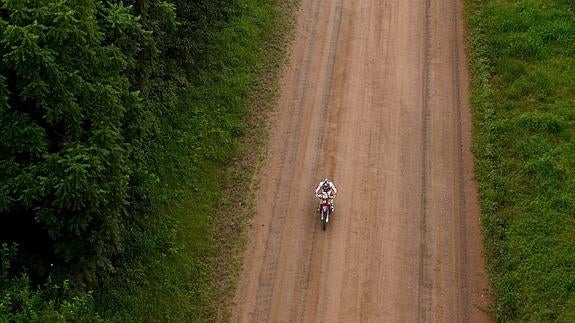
91	96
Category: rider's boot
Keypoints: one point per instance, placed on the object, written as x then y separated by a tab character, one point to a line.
331	207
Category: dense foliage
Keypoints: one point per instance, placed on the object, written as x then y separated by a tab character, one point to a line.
199	88
21	302
70	124
118	119
523	79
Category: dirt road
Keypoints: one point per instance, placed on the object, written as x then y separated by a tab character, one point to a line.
375	97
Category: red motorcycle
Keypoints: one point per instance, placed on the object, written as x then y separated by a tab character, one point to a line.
324	209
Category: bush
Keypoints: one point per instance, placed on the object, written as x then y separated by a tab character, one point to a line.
21	302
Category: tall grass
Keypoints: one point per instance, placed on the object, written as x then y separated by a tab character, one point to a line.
523	100
212	143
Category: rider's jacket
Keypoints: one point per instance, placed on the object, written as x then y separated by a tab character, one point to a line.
332	190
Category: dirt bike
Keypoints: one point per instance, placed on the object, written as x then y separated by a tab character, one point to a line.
324	209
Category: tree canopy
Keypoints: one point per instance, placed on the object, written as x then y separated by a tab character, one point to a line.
69	122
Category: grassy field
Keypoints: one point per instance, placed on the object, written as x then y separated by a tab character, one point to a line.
213	143
523	98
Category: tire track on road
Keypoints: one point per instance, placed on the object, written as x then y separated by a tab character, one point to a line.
327	113
267	277
425	284
463	276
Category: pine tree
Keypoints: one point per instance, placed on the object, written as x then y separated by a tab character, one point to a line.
70	123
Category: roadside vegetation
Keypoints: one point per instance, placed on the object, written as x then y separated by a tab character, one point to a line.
130	131
523	99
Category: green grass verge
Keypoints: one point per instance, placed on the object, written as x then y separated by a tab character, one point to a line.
213	144
523	99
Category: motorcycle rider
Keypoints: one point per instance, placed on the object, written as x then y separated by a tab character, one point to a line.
326	186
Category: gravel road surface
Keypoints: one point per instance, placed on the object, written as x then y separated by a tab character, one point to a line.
375	97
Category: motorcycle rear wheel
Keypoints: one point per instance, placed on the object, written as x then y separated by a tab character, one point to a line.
324	220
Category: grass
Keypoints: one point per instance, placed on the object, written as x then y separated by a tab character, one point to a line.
213	145
523	99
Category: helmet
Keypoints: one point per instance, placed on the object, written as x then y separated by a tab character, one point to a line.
325	185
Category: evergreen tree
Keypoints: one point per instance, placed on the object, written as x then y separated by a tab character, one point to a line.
70	124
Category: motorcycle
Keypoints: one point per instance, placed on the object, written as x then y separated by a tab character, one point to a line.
324	209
